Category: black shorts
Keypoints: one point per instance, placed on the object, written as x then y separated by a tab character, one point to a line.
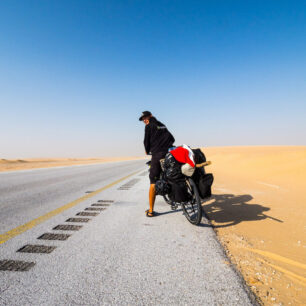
155	168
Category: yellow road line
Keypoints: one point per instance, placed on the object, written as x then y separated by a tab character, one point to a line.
22	228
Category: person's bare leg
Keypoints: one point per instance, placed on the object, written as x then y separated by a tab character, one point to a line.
152	197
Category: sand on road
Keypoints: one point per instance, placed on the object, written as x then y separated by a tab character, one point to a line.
259	213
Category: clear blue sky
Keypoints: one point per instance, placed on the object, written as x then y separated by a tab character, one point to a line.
75	75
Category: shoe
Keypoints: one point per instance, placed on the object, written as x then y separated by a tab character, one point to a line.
150	214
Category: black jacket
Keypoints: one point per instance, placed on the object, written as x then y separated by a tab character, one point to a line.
157	137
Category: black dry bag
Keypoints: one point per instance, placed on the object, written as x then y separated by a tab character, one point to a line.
162	187
199	156
179	191
205	183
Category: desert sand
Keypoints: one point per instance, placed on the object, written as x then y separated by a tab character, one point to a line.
259	214
25	164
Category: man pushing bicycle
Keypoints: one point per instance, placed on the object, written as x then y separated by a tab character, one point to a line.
157	141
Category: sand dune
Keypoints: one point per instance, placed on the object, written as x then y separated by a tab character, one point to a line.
259	214
24	164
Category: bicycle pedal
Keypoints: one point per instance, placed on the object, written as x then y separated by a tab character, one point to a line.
174	207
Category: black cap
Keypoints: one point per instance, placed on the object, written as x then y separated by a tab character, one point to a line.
145	114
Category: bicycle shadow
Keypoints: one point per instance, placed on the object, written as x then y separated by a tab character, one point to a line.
229	209
168	212
163	204
179	210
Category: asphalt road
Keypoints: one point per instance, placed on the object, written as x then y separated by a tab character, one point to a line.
119	256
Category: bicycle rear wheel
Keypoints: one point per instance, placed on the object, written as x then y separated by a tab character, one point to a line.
193	208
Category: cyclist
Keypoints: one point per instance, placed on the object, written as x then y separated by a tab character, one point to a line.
157	141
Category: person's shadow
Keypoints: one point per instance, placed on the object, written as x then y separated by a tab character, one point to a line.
228	210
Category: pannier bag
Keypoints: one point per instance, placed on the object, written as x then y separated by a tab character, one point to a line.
198	174
179	192
162	187
174	177
204	185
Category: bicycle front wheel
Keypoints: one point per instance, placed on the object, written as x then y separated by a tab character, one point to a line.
193	208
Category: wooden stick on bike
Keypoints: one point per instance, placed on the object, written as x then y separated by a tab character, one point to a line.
207	163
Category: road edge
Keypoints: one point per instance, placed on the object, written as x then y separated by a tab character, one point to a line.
255	300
